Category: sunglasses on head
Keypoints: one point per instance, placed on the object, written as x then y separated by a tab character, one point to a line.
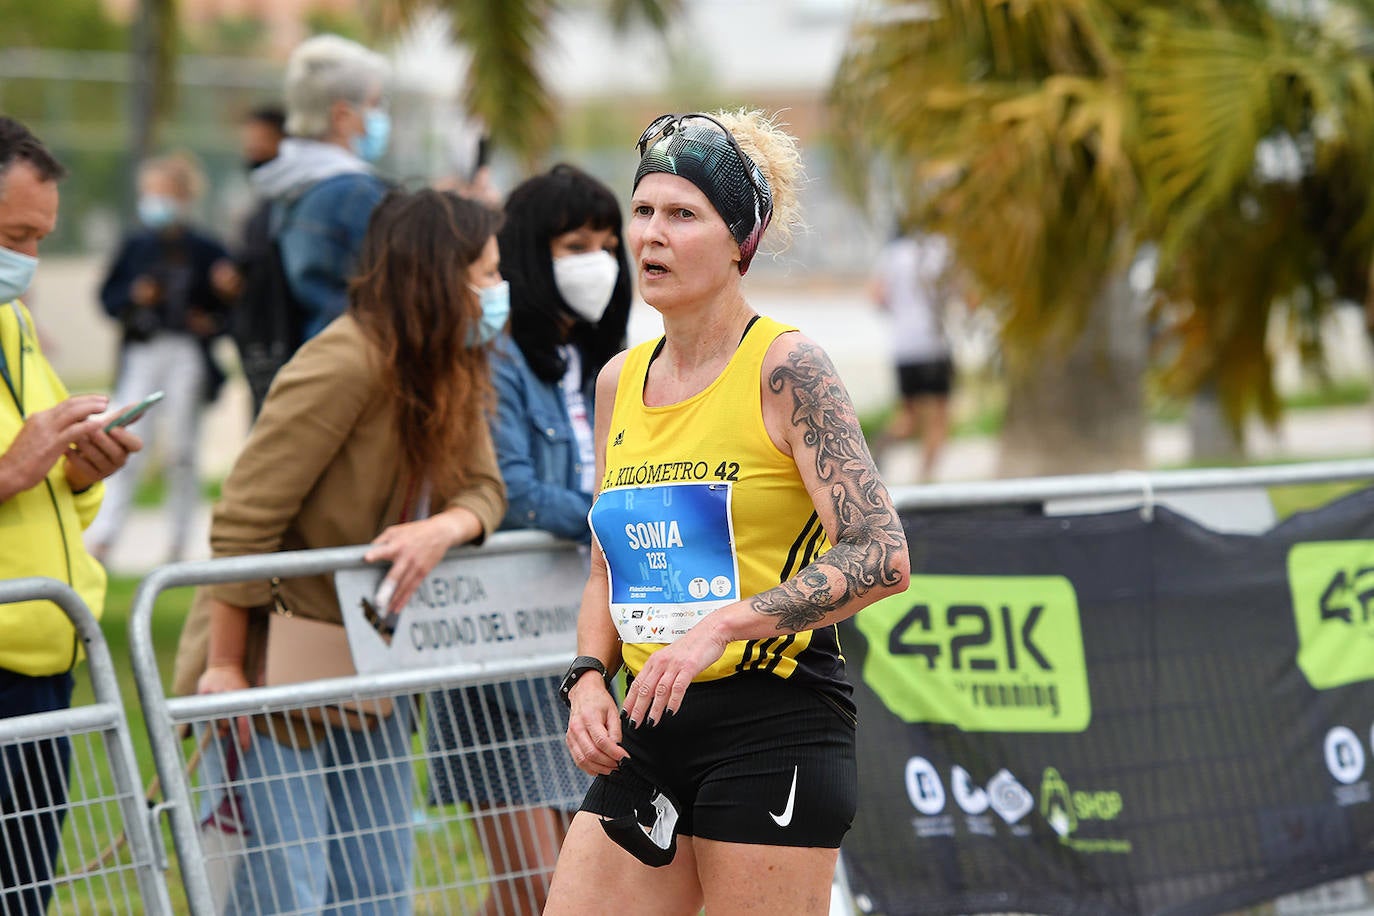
666	125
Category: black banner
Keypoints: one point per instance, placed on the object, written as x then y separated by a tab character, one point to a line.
1110	714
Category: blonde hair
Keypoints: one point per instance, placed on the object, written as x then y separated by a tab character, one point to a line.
763	139
182	169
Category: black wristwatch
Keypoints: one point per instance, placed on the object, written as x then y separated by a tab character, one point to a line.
579	666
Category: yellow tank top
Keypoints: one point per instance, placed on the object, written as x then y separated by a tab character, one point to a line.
698	509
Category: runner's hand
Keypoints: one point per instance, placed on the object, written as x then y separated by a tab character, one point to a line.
659	686
594	733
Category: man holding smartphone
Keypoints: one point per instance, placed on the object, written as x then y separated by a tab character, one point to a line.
54	452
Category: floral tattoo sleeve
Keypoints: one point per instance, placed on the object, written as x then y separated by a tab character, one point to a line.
869	534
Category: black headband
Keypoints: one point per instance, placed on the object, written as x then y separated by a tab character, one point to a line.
706	154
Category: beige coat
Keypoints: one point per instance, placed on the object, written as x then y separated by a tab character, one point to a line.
320	469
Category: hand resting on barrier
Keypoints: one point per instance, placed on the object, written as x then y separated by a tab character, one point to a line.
415	548
224	668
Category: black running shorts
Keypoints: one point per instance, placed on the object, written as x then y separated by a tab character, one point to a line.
932	377
750	759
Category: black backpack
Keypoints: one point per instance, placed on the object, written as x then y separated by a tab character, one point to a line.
267	320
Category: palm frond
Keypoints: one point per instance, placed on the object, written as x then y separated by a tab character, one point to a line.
1079	128
657	13
1022	103
503	86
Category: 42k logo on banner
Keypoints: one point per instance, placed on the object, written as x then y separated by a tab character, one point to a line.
1332	584
984	653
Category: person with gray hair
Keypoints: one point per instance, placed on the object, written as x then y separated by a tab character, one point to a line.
322	184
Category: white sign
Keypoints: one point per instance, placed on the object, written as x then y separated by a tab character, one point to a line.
1347	895
474	608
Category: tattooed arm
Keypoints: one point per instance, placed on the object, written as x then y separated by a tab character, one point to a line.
809	416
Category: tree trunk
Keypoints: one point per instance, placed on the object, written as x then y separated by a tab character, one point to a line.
1082	410
1212	438
143	88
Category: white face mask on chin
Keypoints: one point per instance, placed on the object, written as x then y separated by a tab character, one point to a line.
586	282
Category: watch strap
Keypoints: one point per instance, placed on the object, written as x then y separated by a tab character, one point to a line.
579	666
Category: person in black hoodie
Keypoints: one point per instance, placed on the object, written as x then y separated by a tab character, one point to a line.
159	289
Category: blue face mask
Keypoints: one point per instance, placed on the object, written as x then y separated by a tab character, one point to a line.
495	310
158	212
16	273
370	146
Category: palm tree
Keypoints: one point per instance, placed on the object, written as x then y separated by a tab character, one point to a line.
503	87
1076	131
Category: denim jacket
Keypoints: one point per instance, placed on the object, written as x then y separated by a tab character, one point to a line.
323	197
536	448
320	238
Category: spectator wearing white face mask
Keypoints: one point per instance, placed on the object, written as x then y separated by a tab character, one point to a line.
570	303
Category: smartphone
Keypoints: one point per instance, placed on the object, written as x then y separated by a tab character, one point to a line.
134	412
483	154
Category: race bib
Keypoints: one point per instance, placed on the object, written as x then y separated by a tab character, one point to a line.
671	554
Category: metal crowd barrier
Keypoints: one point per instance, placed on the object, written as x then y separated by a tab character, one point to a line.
1089	493
437	818
108	860
1145	487
429	807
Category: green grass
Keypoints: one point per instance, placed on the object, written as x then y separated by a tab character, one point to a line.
1301	497
979	405
152	491
1347	393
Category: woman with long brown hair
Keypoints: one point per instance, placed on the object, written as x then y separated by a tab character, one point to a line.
375	431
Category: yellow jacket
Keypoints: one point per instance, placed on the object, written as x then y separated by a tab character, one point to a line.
40	529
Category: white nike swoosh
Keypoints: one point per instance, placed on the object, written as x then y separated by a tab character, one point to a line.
782	820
